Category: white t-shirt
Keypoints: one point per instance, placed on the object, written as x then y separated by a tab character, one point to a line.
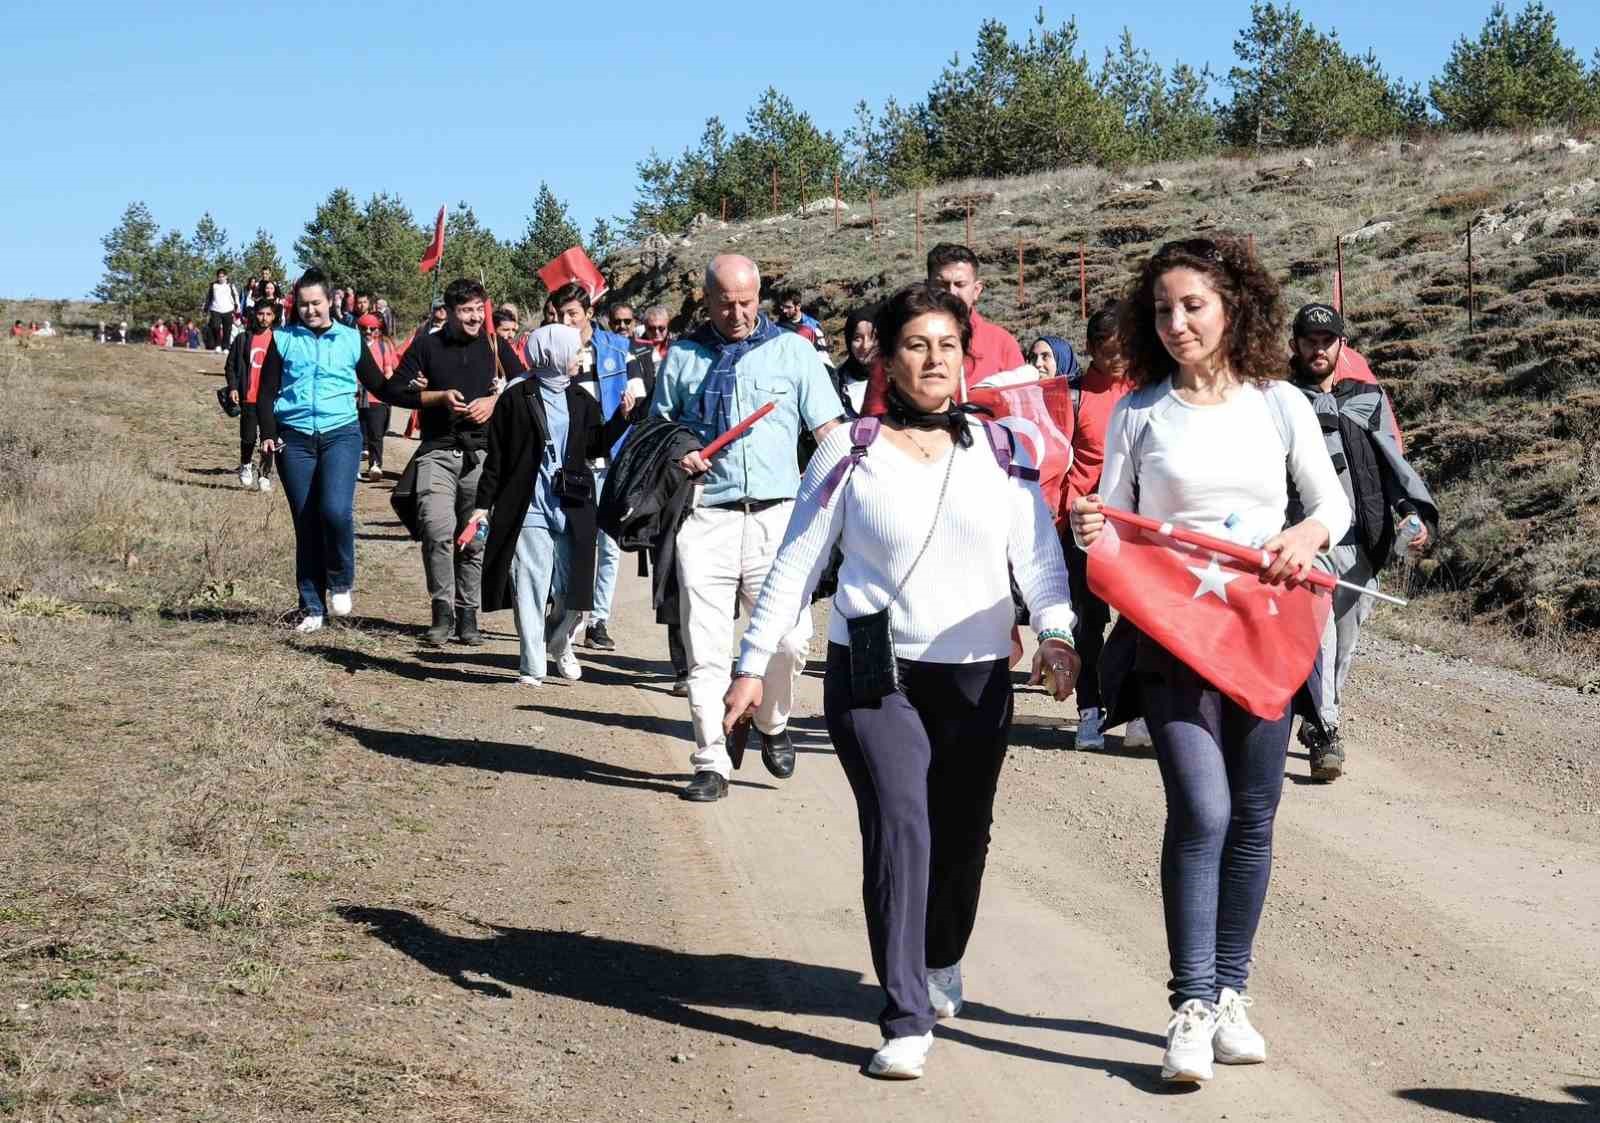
1220	469
221	297
956	607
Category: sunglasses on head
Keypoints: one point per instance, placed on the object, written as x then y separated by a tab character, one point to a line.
1194	247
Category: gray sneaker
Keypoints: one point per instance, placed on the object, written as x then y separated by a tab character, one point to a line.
944	990
1089	735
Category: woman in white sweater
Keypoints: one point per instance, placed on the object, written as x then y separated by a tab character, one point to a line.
1209	441
927	517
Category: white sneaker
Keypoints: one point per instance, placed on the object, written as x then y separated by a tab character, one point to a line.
567	665
1236	1041
1089	735
944	990
264	483
342	604
247	476
1188	1057
529	680
308	625
901	1058
1136	735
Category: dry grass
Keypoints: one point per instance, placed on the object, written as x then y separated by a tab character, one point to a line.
178	820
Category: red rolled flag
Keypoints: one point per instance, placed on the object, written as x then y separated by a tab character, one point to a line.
574	265
435	254
1202	598
736	432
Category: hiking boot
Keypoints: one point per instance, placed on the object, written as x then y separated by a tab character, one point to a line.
706	787
1327	757
1189	1053
444	622
467	628
901	1058
598	638
1089	735
1236	1041
944	990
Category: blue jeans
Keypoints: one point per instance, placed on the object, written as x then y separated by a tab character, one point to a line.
1222	768
605	569
540	573
318	471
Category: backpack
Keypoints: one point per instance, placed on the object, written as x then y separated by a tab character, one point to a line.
864	430
1139	419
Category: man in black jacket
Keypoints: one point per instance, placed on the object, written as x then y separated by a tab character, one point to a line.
469	363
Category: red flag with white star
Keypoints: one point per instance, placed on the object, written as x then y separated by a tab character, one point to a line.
1255	643
1039	415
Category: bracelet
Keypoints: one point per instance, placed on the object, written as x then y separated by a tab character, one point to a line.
747	674
1059	634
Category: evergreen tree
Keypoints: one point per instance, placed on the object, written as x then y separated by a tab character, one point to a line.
261	253
472	251
549	233
1163	118
1516	73
602	239
391	245
210	246
332	238
129	251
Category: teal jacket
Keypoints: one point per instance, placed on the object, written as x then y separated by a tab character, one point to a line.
317	393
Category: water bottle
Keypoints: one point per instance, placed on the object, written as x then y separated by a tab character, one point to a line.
481	535
1405	534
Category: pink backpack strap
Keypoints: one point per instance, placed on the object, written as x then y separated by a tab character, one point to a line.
863	431
1001	445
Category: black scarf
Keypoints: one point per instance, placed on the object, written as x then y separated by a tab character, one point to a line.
954	419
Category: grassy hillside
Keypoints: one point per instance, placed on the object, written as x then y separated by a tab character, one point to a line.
1504	421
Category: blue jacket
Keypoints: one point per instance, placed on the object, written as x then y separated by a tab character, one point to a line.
318	391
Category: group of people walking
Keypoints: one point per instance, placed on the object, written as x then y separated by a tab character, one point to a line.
926	521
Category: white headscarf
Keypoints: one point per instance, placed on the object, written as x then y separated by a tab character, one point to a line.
551	350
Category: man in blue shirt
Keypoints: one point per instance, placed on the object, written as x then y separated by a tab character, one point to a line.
712	379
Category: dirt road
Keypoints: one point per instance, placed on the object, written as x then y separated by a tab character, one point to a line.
591	947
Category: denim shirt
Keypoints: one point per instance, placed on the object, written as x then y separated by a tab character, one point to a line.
764	463
545	509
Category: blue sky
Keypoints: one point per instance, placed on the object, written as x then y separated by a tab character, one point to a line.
256	112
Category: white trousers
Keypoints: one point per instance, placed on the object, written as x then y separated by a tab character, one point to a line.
723	558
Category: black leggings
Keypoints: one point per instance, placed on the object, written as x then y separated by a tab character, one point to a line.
221	328
374	425
1089	633
249	430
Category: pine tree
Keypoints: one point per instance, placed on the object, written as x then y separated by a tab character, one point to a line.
129	250
210	245
261	253
550	232
472	251
332	239
1516	73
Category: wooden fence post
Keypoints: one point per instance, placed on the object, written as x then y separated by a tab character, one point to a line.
872	202
1471	320
835	202
1338	274
919	222
969	224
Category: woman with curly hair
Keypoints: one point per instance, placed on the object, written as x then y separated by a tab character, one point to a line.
1209	440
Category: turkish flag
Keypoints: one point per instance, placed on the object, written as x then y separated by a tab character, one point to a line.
1039	415
574	265
435	254
1255	643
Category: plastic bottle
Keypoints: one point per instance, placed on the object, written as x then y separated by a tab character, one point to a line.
1405	534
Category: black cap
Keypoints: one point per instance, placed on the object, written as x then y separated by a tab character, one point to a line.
1318	317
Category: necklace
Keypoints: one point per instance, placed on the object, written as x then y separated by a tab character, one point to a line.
926	455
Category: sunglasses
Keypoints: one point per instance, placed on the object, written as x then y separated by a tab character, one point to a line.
1195	247
655	329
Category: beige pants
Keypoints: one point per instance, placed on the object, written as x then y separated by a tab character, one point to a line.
723	558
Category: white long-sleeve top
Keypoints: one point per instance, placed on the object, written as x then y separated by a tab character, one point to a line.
1220	469
956	607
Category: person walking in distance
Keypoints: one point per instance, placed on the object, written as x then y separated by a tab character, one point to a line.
539	498
994	350
1102	386
657	332
469	364
713	378
619	376
374	412
1210	440
246	355
1363	440
222	301
931	523
307	406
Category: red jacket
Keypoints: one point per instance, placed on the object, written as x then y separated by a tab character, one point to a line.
993	350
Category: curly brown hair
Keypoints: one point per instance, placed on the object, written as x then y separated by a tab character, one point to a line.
1250	297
